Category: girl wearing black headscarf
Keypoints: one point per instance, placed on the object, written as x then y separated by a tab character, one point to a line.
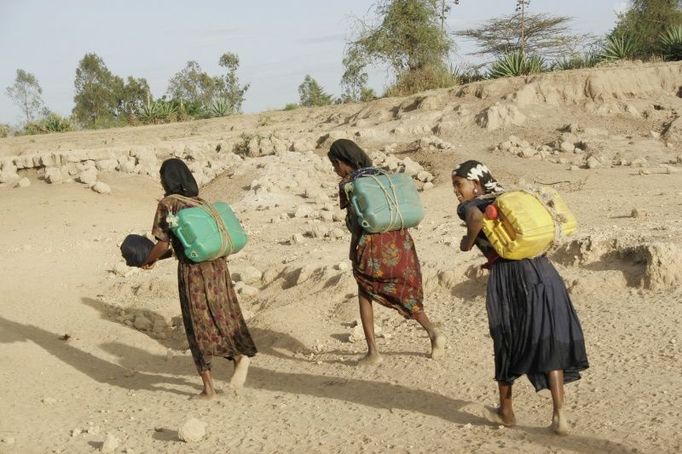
535	329
385	265
210	311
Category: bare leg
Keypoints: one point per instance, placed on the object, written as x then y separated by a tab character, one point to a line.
556	387
505	412
437	339
241	369
367	318
209	390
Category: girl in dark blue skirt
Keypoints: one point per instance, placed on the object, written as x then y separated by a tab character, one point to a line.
535	329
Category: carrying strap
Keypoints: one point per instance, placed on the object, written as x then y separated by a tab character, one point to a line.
226	244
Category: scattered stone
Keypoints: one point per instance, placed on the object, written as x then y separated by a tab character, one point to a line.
592	163
88	176
634	213
110	443
49	401
75	432
567	147
142	323
428	185
8	440
248	291
192	431
53	175
336	233
101	188
296	238
341	266
23	183
248	275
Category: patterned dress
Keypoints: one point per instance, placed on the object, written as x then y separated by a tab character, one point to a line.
210	311
385	265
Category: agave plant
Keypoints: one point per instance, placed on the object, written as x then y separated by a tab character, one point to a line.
671	43
149	112
167	110
516	64
220	107
620	47
576	61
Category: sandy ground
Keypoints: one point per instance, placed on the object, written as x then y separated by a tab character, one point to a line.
62	277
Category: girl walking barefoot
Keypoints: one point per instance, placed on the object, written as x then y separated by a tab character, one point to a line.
535	329
385	265
210	312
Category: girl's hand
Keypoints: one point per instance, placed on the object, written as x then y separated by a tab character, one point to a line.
464	244
148	266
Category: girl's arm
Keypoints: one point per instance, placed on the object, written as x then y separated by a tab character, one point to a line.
473	219
159	251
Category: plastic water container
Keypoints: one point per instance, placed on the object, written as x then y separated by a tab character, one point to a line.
384	202
524	227
200	236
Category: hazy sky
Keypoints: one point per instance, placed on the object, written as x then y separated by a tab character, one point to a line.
278	41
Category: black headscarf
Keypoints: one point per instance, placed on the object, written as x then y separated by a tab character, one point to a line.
477	171
349	152
176	178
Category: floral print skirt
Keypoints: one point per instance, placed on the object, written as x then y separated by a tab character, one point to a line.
386	268
211	314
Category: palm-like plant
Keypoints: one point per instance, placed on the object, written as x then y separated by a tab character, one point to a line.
620	47
516	64
671	43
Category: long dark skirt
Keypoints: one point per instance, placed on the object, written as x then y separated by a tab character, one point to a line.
211	314
534	326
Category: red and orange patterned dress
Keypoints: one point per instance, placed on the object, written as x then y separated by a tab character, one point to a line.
385	265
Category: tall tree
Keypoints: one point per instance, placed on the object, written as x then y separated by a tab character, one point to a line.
645	21
97	91
409	38
228	87
312	94
535	34
192	86
131	96
26	93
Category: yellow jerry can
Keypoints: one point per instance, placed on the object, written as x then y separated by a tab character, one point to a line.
525	224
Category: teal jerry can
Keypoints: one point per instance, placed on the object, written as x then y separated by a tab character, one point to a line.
202	237
384	202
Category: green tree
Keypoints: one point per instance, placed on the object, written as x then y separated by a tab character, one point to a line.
542	35
131	96
227	86
26	93
645	22
97	92
312	94
410	38
193	87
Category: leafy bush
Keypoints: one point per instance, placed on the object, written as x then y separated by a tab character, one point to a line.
618	47
418	80
671	43
56	123
468	74
516	64
51	123
242	147
291	106
159	111
4	130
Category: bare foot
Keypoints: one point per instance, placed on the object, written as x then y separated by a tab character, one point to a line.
559	424
370	360
437	346
496	416
204	395
241	368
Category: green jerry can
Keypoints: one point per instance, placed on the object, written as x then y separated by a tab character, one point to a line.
208	232
385	202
